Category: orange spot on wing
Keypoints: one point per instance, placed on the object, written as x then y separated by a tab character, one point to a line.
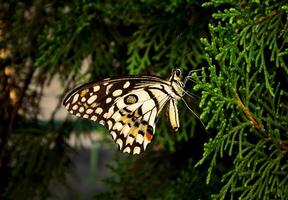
148	136
84	92
94	105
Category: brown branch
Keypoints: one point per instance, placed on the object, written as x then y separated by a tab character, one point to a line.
258	126
282	146
248	114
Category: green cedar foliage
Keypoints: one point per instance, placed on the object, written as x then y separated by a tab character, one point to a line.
244	97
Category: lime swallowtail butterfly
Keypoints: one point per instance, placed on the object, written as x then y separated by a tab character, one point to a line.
128	106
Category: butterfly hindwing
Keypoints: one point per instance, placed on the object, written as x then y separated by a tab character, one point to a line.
131	119
128	107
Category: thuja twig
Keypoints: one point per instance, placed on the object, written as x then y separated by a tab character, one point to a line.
251	119
258	126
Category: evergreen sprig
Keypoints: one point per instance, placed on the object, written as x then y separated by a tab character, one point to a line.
163	35
244	97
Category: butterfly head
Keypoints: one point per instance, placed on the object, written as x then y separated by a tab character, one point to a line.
177	83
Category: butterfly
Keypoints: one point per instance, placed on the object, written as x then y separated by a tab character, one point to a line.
128	106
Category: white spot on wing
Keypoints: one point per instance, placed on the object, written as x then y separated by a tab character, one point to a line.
85	116
125	130
89	111
75	107
108	88
83	99
75	98
92	99
117	126
109	124
105	115
129	140
136	150
113	133
126	85
139	139
146	142
117	93
110	111
67	106
94	118
108	100
81	109
96	88
127	150
99	110
119	142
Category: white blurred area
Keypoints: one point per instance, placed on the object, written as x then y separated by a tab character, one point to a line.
93	154
53	92
50	101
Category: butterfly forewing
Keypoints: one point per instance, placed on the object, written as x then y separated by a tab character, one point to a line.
128	107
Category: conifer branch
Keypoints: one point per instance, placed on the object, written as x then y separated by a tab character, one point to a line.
248	114
259	126
283	146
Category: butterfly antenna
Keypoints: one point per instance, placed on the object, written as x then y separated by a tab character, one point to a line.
188	77
193	113
192	96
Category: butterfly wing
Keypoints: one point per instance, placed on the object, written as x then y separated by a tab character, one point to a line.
128	107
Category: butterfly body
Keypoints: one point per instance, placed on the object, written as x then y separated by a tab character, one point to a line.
128	106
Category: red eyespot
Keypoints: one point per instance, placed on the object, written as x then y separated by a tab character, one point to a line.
148	136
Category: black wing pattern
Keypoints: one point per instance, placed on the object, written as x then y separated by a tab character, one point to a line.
128	107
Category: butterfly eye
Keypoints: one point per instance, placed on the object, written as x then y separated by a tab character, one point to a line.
177	72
